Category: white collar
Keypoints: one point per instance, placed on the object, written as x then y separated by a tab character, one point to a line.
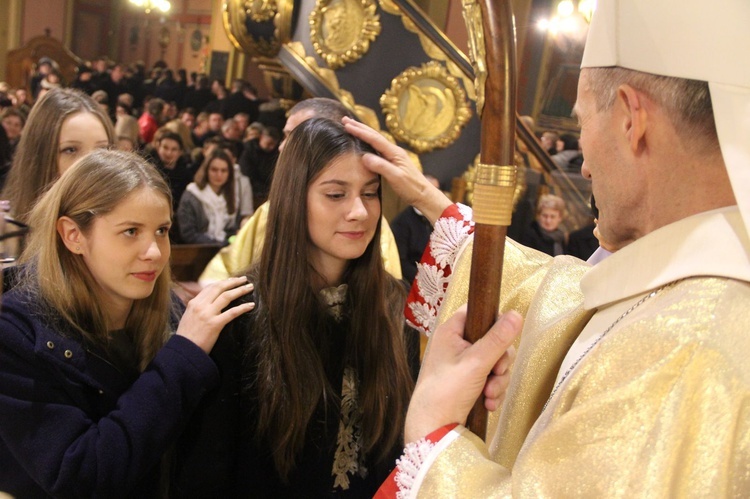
713	243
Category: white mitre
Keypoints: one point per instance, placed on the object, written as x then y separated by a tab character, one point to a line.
705	40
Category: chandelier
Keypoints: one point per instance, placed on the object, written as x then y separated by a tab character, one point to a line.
571	17
162	6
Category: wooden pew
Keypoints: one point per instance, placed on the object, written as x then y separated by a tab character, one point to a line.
189	260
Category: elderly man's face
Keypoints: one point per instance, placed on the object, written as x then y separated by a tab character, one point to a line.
616	184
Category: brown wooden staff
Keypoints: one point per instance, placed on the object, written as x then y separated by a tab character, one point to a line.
495	179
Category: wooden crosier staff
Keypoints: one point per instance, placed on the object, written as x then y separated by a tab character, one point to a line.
493	49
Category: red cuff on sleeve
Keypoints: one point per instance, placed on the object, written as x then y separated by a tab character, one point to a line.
389	488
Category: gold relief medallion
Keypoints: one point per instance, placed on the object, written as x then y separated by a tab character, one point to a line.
341	30
260	10
425	107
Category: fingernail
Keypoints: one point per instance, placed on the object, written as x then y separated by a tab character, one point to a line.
513	317
250	286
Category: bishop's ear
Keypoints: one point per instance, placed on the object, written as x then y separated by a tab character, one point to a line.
70	234
634	115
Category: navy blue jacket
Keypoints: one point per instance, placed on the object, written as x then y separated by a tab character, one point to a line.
72	424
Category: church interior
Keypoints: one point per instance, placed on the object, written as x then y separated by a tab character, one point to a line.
403	67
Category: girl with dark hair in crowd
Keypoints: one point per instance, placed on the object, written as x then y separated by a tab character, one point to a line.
324	367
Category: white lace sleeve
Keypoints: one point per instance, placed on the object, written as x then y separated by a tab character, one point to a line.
449	235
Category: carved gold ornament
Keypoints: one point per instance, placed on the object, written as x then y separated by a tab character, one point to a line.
260	10
235	16
341	30
425	107
477	52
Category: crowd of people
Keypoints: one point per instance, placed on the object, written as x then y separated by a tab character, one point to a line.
95	277
301	376
171	119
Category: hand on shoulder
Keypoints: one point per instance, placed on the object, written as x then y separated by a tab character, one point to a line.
205	315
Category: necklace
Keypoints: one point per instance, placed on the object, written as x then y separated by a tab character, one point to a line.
601	337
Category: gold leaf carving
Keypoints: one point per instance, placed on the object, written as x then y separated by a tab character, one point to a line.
425	107
235	15
341	30
260	10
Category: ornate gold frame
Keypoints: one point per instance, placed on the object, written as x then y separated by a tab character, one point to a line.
340	43
426	107
260	10
235	14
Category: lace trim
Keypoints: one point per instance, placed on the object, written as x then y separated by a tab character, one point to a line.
434	271
348	458
408	465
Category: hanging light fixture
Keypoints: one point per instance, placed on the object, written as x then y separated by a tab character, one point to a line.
162	6
569	17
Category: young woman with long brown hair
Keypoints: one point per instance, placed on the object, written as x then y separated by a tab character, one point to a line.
96	377
63	126
325	368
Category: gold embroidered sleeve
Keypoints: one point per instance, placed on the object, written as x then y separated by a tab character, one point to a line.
660	409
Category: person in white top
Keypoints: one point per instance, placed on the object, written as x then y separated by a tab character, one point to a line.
207	213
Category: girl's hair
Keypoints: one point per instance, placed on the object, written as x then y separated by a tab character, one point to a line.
227	190
35	164
126	127
93	187
183	131
290	342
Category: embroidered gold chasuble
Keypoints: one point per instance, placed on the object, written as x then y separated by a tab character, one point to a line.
659	407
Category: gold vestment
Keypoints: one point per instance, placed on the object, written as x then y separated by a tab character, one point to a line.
659	408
